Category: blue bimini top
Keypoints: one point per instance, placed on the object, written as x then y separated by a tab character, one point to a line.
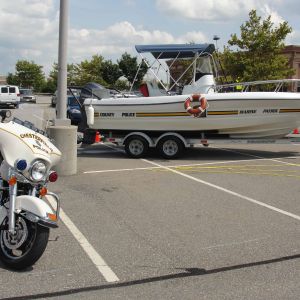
168	51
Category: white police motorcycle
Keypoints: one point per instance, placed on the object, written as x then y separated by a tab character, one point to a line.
25	217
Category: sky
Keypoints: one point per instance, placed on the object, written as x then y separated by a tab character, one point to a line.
29	28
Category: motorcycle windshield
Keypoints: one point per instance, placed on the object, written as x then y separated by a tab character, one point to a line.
20	142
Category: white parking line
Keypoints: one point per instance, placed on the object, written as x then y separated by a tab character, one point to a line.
294	216
97	260
120	170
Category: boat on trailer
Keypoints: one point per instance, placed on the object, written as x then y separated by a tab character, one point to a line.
244	114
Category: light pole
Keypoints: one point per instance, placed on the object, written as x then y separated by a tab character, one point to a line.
63	134
62	65
216	38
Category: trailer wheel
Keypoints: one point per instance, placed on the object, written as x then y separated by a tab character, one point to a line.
136	146
170	147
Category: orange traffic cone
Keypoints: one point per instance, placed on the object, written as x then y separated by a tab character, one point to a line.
97	137
296	131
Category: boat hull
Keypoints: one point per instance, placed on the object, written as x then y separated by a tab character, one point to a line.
238	115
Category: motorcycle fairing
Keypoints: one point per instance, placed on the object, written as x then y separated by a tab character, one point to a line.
16	139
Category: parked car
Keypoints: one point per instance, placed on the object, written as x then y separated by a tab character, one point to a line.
73	110
71	91
27	95
9	95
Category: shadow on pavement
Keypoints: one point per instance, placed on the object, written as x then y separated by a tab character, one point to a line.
198	153
186	272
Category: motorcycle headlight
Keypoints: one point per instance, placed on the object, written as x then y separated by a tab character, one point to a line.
38	171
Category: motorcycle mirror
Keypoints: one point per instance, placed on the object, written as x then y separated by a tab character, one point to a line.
4	113
8	113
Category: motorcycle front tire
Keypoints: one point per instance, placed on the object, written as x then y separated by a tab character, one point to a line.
33	247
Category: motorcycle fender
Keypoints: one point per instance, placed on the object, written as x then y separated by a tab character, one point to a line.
33	205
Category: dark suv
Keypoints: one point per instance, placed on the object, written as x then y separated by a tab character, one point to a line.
71	91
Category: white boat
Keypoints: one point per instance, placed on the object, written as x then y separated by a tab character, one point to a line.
244	114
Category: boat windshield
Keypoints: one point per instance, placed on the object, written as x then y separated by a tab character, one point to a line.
204	65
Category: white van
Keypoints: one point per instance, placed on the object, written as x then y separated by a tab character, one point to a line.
9	95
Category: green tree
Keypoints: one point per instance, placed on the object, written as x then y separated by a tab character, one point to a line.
129	67
12	79
71	74
122	85
184	65
110	72
54	73
90	71
49	86
28	75
258	54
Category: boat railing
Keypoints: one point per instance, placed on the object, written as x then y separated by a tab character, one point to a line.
279	85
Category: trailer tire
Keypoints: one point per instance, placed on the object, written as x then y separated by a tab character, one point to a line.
136	146
170	147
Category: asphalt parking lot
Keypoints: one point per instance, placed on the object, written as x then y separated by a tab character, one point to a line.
219	223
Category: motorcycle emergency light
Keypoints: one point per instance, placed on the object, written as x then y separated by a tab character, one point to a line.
53	176
21	164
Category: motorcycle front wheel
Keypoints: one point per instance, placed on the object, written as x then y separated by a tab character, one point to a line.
25	247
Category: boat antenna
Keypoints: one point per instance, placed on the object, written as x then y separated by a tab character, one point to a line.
216	38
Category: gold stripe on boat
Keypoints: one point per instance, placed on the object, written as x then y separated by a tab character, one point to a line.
224	112
289	110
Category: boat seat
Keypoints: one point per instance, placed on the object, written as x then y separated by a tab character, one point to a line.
144	90
204	85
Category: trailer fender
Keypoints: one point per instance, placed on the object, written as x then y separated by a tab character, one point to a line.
172	134
142	134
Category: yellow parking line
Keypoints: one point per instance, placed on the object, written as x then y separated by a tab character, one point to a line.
260	170
222	189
